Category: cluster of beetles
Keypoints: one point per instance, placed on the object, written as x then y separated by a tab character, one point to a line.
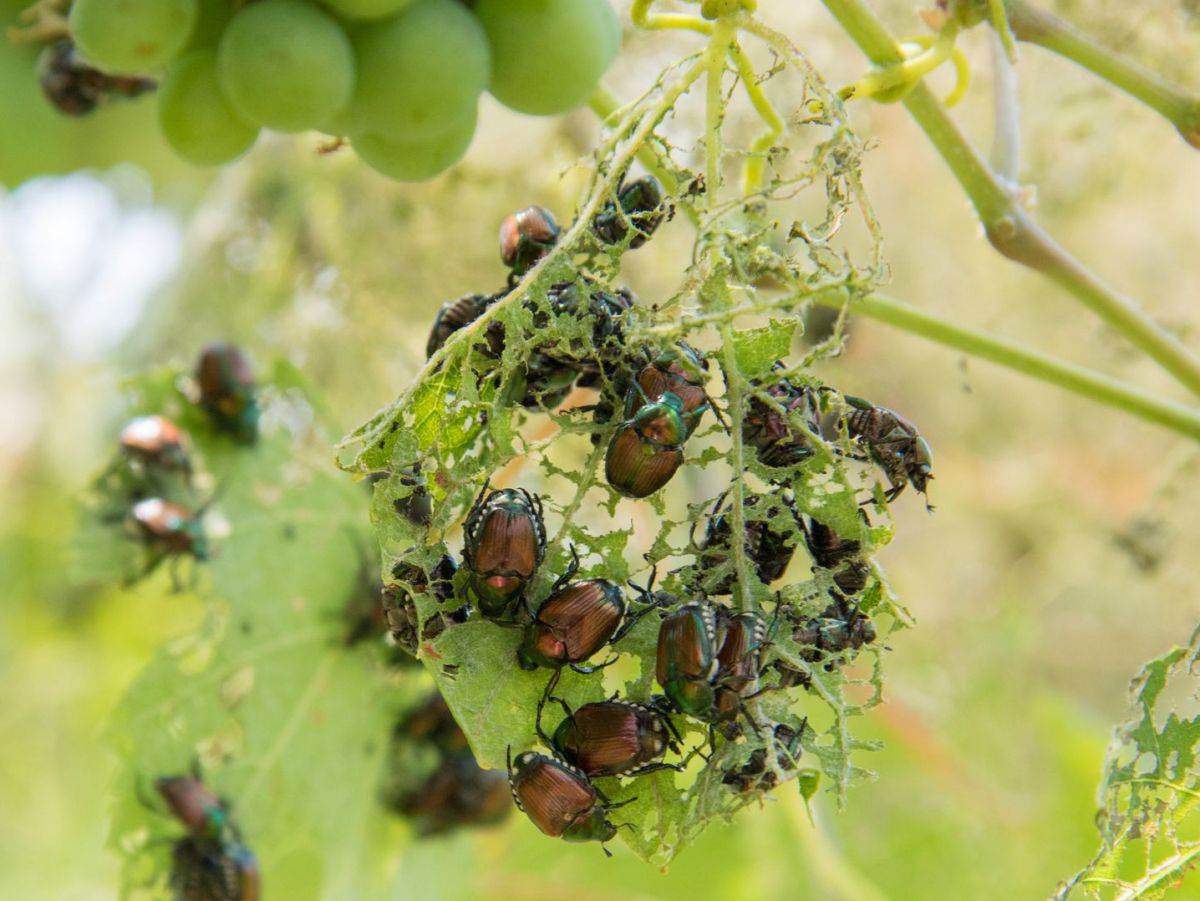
149	485
711	657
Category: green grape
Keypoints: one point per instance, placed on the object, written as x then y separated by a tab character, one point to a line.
415	160
132	36
195	117
421	72
286	65
367	9
548	55
212	16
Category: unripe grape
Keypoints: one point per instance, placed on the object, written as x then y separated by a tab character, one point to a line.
286	65
419	73
195	117
131	36
212	16
415	160
548	55
367	9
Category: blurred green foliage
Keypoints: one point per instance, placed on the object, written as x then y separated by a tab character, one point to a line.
1031	615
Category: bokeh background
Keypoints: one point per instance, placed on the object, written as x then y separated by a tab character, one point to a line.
1060	557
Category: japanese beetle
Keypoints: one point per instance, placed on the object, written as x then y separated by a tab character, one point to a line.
526	236
457	792
754	775
639	204
707	661
431	721
205	870
194	805
769	549
576	621
417	505
680	371
210	862
75	88
841	555
686	662
576	300
155	441
559	799
456	314
769	424
400	608
645	451
169	529
504	544
556	361
823	639
227	391
891	442
612	738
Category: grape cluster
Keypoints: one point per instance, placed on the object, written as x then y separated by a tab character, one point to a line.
401	79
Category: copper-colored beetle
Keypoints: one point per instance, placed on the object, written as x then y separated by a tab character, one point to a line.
560	800
504	544
613	737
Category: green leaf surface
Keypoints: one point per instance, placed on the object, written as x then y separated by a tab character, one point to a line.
287	722
1149	822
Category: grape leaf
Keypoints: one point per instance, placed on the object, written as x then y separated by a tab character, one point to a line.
288	723
1148	818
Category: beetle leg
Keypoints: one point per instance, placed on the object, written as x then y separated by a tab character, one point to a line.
537	722
572	569
609	805
553	682
588	670
652	768
673	729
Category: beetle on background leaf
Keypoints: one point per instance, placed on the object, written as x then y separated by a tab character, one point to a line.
504	544
457	314
155	442
168	530
826	640
210	862
226	384
400	607
457	792
76	88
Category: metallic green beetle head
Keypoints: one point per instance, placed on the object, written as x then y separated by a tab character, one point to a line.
661	422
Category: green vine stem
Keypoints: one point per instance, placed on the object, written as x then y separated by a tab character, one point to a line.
1006	134
1009	227
1177	105
1082	381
